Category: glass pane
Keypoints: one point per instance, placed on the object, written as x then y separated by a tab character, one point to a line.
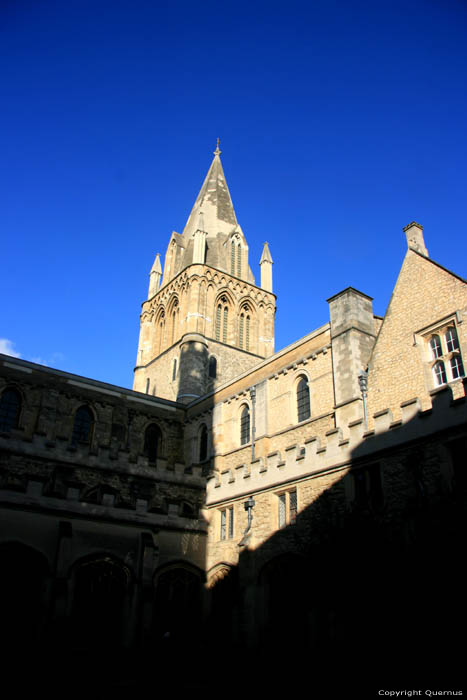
218	323
282	510
303	400
435	345
10	404
83	425
203	444
231	522
457	368
212	367
245	426
293	507
439	373
224	331
451	340
223	519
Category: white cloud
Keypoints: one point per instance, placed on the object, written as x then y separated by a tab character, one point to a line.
7	347
55	359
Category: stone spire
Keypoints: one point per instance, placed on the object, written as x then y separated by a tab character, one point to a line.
214	202
266	263
155	277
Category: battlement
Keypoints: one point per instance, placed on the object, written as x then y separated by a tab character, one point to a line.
315	456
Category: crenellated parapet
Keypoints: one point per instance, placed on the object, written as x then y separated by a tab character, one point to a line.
341	448
87	447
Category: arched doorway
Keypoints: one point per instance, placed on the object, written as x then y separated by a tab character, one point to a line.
285	602
177	612
100	587
22	599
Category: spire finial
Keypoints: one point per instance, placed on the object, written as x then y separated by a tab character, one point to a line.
217	152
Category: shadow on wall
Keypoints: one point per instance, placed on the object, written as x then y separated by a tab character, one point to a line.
362	595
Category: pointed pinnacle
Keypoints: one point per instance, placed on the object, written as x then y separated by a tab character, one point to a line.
217	152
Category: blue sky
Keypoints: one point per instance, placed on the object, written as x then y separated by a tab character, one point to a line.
340	122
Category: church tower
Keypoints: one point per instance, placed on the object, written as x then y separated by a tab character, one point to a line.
205	321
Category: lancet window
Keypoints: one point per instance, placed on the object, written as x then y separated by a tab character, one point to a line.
10	408
174	321
152	442
161	332
203	443
245	425
83	425
244	327
236	257
222	320
303	399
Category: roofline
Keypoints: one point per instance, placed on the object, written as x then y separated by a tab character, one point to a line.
446	269
86	382
264	363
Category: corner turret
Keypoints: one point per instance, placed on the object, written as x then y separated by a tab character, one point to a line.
155	277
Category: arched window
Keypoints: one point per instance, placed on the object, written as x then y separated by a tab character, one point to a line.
174	369
83	425
161	330
232	258
218	321
152	442
244	328
203	443
435	346
303	399
148	383
245	426
439	373
236	257
222	319
10	408
212	367
225	325
174	320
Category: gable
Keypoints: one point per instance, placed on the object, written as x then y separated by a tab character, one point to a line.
424	294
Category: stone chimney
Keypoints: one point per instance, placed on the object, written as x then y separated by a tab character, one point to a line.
415	240
352	337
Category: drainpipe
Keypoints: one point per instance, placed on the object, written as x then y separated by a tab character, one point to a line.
253	421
